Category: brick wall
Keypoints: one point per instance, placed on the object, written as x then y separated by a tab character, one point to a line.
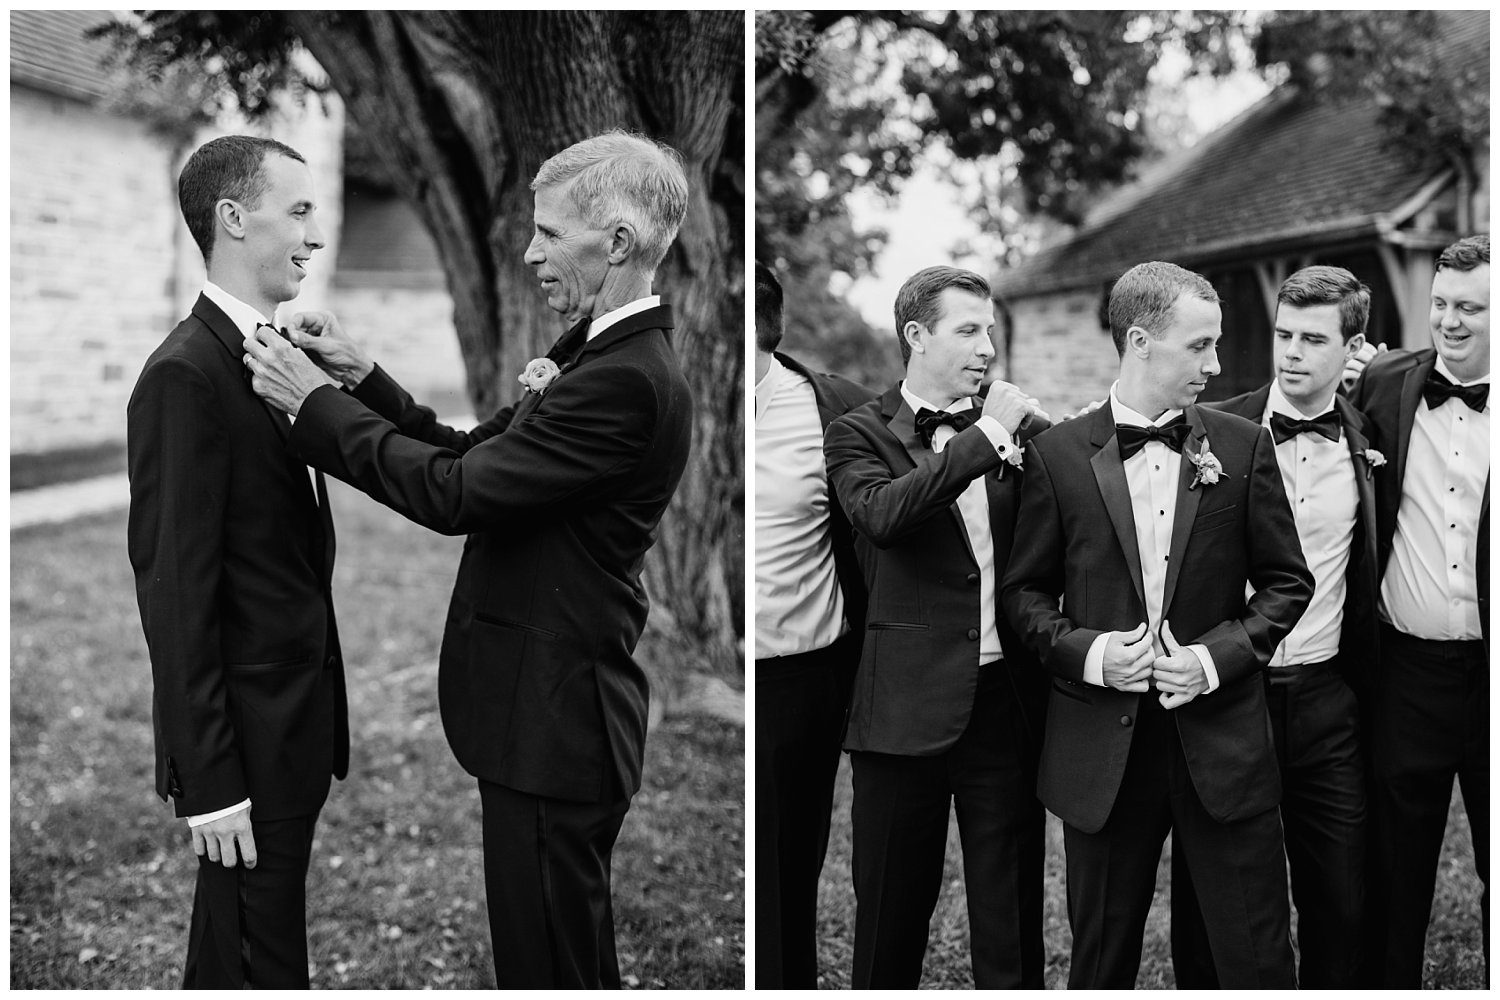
410	333
1059	354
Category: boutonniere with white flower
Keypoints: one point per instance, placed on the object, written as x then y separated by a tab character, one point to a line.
1373	461
1207	464
539	374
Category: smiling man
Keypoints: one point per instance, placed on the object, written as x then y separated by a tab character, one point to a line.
560	495
232	547
1140	525
946	711
1316	671
1430	721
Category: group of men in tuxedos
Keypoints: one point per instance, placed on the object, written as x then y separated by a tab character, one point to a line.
231	428
1259	626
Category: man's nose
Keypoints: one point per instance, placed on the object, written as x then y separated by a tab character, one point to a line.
1450	317
985	348
534	255
1211	363
314	235
1293	349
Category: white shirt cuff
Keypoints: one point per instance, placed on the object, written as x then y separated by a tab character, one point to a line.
998	435
1209	670
1093	663
210	817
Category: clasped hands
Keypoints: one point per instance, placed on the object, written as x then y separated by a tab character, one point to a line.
316	353
1131	664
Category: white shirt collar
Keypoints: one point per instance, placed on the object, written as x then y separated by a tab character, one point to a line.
1442	368
1125	415
614	316
1278	403
245	317
917	403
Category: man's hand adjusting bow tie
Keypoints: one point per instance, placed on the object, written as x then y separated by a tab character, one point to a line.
1438	390
928	421
1132	438
1284	428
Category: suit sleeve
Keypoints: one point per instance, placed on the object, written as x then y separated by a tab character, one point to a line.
587	435
179	482
883	506
1276	569
384	396
1034	578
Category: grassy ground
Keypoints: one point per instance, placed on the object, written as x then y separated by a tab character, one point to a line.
101	875
1454	942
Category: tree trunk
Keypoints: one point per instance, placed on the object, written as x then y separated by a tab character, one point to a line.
464	108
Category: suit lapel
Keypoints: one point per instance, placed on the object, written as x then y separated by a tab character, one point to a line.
1187	503
902	423
1109	473
1411	395
229	336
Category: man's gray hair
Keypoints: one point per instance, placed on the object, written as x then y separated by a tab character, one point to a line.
619	177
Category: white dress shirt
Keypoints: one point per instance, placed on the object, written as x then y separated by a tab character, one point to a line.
974	508
798	604
609	319
1430	589
1319	478
1152	475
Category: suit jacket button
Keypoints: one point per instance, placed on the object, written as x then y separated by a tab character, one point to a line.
973	633
1124	720
972	579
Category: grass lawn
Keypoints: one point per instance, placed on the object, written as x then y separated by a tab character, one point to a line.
101	874
1454	941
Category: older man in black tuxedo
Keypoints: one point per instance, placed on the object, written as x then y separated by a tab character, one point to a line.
1147	518
232	547
946	707
560	496
1430	722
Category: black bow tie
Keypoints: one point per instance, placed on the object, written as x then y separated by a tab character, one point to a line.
928	421
1132	438
569	344
280	331
1436	390
1284	428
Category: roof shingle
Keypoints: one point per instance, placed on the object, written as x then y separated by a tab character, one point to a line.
49	51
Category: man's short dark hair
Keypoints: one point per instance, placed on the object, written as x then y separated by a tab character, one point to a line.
918	299
231	166
1322	285
770	322
1145	295
1467	254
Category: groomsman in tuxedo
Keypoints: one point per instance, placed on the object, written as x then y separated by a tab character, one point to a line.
232	546
1148	517
1431	419
1314	674
946	706
809	619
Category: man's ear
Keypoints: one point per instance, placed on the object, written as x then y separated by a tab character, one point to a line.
229	218
1138	342
1353	345
913	332
622	243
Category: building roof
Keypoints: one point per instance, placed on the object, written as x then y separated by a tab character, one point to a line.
49	51
1289	172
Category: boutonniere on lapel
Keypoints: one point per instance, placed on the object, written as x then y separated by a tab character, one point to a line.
539	374
1373	461
1207	464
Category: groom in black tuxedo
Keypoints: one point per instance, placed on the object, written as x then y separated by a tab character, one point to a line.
1147	518
560	496
946	709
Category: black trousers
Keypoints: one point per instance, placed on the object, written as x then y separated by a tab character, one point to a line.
249	925
800	703
1238	868
900	818
1430	723
1315	720
546	882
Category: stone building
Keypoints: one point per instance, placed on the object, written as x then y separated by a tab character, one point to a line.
102	265
1288	183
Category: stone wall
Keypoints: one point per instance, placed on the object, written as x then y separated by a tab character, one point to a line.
1059	353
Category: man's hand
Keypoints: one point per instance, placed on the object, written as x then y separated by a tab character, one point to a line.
1127	660
1009	405
333	350
1355	366
218	839
1179	675
280	374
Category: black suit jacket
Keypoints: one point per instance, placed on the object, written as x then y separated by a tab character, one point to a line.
1358	638
560	496
232	556
1388	393
1075	538
919	669
836	396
